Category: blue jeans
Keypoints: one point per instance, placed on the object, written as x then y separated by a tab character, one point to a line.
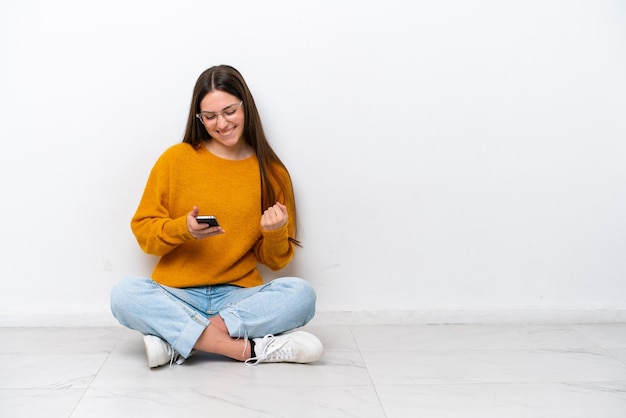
179	316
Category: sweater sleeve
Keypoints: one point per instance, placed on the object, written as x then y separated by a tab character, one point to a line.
157	233
274	248
159	236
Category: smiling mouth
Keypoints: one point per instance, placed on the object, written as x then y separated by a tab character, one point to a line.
227	131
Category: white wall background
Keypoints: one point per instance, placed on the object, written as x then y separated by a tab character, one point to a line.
453	160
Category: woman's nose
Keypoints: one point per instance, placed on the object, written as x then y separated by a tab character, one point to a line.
221	123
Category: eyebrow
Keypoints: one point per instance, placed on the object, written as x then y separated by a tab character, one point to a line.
211	111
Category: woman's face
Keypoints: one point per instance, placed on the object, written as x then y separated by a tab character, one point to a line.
223	118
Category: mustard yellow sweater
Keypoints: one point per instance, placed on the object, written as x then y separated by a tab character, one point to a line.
230	190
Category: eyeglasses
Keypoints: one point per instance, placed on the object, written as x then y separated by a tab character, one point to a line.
209	118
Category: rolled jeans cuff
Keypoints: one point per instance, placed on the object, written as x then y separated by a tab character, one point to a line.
189	335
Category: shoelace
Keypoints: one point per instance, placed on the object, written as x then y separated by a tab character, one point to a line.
176	358
270	351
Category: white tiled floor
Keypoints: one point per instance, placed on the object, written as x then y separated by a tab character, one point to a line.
367	371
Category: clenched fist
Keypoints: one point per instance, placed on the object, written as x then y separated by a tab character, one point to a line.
274	217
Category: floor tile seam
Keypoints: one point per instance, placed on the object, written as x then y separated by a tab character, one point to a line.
94	377
340	350
41	388
108	353
607	350
599	351
64	327
621	360
514	325
369	374
78	401
359	351
509	383
591	339
50	387
215	385
103	355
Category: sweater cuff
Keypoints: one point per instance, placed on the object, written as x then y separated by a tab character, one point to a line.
177	229
276	236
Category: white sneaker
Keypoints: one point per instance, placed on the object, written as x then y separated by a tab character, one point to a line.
158	352
294	347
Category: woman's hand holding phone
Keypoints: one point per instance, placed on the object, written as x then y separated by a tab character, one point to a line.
204	226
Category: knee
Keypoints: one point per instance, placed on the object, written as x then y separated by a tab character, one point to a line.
118	297
299	287
302	295
119	292
123	297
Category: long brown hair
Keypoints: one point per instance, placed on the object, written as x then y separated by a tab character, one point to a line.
227	79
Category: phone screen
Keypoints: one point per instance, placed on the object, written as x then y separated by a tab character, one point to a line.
207	219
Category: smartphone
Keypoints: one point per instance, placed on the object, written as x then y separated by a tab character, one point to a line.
207	219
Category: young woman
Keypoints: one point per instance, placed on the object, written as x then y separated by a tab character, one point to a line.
206	293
